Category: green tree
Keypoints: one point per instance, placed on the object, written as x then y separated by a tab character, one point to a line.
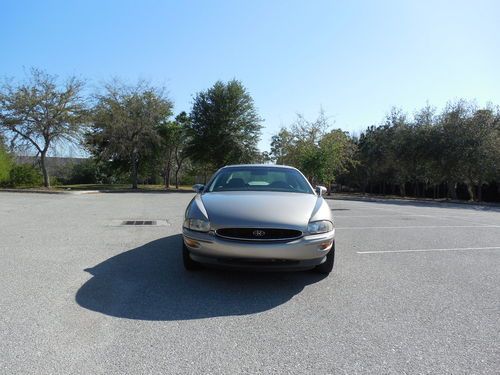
172	149
320	154
299	145
306	145
458	148
338	152
168	132
39	112
181	137
224	126
480	149
5	162
427	140
125	125
283	148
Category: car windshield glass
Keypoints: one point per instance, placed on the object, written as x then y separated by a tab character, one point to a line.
260	179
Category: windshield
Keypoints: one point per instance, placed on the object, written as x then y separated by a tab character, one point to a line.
260	179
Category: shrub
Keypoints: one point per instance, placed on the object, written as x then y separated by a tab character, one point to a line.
83	172
5	165
24	175
54	181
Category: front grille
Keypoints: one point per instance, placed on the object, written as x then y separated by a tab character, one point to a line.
259	234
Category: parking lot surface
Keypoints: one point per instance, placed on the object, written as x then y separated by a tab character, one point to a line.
415	289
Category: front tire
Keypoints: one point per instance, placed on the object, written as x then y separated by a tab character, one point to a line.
189	264
327	266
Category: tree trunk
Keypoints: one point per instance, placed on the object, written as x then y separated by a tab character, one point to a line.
167	175
402	189
452	190
134	172
177	178
470	189
46	179
480	191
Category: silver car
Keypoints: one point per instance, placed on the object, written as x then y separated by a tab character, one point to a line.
259	216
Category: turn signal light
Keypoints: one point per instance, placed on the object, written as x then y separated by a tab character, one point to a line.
325	245
191	243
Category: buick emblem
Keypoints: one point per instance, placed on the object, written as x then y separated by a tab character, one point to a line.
258	233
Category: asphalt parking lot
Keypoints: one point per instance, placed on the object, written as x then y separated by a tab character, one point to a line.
415	289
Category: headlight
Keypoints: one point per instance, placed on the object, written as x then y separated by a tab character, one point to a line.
197	225
323	226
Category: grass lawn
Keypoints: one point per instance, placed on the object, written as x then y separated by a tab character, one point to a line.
117	187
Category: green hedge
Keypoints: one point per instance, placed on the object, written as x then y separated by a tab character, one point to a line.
5	166
24	175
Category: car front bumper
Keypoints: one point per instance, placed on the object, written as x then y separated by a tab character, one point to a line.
303	253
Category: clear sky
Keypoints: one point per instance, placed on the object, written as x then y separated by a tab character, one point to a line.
355	59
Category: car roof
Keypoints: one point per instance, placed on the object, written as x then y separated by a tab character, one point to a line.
259	166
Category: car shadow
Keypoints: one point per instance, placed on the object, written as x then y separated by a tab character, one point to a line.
150	283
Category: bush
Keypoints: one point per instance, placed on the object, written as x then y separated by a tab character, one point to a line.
5	165
24	175
55	181
83	173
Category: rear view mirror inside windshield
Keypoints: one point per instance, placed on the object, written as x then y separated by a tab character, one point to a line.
257	172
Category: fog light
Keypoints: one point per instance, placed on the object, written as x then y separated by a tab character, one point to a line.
325	245
191	243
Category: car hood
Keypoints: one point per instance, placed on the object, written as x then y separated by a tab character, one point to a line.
259	209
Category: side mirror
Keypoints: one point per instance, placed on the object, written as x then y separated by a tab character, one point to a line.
320	190
198	188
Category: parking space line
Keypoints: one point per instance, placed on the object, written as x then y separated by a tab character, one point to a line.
428	250
388	215
468	220
424	227
401	211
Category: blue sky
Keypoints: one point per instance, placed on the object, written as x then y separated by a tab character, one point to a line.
355	59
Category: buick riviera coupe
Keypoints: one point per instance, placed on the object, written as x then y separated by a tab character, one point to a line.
264	217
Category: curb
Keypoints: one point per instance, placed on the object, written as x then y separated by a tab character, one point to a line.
34	191
105	191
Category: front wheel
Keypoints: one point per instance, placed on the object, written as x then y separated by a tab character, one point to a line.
189	264
327	266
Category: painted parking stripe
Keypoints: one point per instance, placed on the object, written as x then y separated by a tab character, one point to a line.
424	227
428	250
392	216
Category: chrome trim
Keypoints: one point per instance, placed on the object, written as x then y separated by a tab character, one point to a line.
260	239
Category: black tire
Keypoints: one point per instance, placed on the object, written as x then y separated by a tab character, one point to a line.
189	264
327	266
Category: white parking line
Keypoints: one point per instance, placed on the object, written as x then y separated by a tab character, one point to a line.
428	250
388	215
425	227
394	216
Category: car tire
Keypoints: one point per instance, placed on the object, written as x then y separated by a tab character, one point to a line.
189	264
327	266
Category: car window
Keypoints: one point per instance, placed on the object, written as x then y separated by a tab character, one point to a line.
260	179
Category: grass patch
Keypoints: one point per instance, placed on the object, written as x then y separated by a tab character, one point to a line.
118	187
